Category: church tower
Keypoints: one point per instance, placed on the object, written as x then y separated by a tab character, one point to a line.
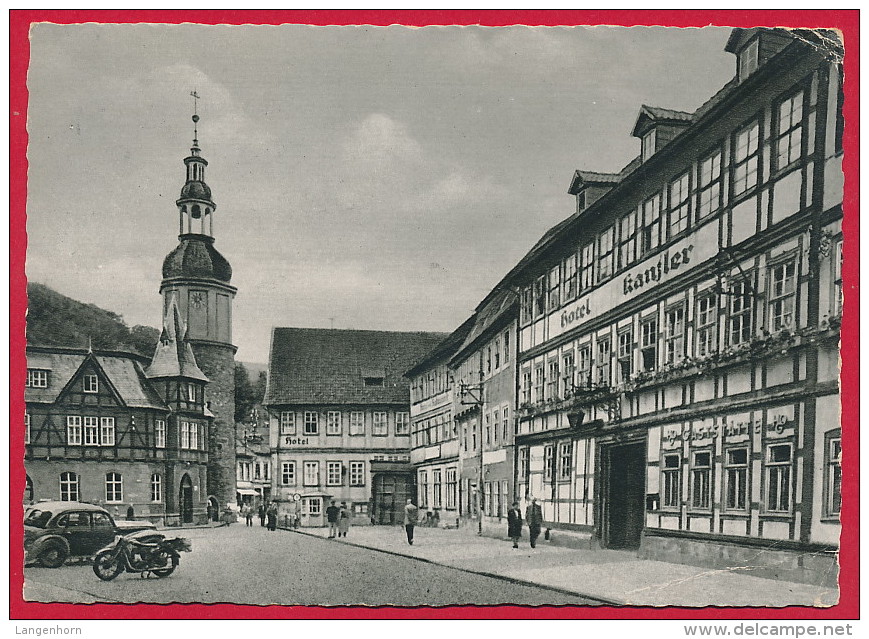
197	277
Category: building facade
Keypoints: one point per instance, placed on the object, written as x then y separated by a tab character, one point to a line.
253	478
340	429
678	350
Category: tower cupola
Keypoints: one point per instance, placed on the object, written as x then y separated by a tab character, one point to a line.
195	206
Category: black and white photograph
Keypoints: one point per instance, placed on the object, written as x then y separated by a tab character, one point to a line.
434	316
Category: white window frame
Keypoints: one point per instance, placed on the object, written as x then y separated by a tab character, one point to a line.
73	430
736	479
288	473
333	473
156	487
333	422
357	423
37	378
778	475
746	158
402	423
701	479
288	422
26	428
648	144
90	384
671	481
311	423
114	487
379	424
748	59
783	284
107	431
357	473
69	486
160	433
184	434
311	473
91	431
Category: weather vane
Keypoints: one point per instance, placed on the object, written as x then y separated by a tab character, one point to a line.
195	96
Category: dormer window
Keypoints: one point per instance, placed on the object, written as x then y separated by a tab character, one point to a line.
91	384
191	392
37	378
648	144
748	60
373	381
580	202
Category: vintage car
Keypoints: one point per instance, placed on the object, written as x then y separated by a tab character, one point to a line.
56	530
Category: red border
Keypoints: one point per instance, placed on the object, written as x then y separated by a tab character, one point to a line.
847	21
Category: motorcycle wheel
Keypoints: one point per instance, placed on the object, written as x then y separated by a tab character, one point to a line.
164	560
163	572
53	555
105	567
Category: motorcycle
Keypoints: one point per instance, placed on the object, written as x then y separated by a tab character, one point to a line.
144	552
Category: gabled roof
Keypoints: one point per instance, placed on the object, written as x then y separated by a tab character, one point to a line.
325	366
650	115
496	308
585	178
445	349
173	356
123	371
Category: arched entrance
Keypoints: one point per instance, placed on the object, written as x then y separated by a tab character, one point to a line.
213	509
185	499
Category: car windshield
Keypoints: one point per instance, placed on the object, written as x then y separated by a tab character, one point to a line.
37	518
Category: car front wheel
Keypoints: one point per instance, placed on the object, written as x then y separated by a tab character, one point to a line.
53	555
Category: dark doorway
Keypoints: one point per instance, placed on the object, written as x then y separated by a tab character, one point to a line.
390	494
185	499
623	507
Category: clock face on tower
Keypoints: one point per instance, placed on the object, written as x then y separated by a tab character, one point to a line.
197	299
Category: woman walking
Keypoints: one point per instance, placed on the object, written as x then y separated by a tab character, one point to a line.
272	516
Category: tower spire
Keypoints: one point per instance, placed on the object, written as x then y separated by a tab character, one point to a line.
195	206
195	118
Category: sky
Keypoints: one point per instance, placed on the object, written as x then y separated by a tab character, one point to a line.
365	177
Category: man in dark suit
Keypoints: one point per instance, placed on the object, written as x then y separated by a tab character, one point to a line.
514	524
534	517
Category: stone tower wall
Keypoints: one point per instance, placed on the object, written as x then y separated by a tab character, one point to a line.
218	363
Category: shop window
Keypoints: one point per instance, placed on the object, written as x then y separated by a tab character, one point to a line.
554	288
586	256
649	344
674	337
569	281
565	460
625	354
701	479
707	322
782	296
451	488
583	370
672	472
333	473
628	239
745	158
311	470
604	353
69	487
357	423
834	476
288	423
567	371
736	469
779	458
114	487
680	206
740	311
436	485
288	473
709	188
651	233
789	140
606	254
548	463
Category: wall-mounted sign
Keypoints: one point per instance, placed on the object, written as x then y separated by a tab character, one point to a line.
670	261
296	441
779	423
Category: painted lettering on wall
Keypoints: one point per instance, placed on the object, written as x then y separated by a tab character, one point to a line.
296	441
668	262
569	316
778	424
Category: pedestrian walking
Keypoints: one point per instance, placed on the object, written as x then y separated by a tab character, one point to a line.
332	512
411	516
272	516
261	511
534	517
131	514
247	511
343	520
514	524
